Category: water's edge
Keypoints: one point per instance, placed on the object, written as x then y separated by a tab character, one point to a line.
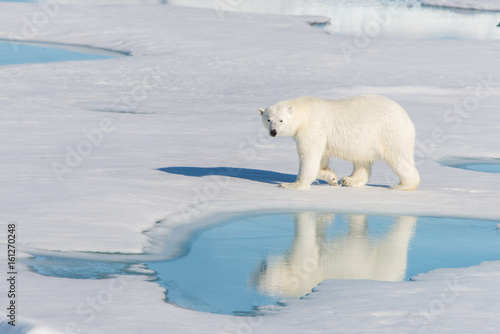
70	47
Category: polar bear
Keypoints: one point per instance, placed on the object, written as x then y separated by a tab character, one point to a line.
360	129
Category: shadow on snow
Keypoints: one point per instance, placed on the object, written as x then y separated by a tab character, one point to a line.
257	175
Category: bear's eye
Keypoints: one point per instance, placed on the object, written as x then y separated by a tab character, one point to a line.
281	121
269	120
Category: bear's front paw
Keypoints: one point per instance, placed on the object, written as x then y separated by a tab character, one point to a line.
295	185
333	181
348	181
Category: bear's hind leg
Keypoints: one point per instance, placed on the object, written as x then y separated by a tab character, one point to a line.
326	174
360	174
405	169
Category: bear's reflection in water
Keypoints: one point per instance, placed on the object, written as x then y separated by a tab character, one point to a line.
314	257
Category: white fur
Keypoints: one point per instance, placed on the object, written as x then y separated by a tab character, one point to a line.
361	129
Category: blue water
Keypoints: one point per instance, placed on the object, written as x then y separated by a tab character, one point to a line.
240	265
485	166
481	167
16	53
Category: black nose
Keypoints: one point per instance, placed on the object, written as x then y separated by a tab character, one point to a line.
273	133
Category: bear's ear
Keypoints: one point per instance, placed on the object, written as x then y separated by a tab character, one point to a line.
292	109
261	111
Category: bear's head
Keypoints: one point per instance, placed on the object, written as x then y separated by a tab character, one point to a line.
277	119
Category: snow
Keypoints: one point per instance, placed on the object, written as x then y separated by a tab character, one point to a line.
400	18
432	304
84	145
